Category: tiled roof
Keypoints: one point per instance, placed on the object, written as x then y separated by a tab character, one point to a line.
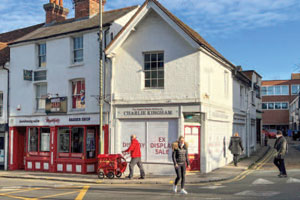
74	25
5	38
189	31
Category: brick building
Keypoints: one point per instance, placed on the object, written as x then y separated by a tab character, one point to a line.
276	97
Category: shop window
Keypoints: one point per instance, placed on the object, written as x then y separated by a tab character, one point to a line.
77	140
154	70
44	139
41	95
78	94
63	140
78	49
91	143
33	140
1	104
42	55
38	139
70	136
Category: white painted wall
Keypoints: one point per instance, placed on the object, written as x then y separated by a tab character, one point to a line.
60	71
181	65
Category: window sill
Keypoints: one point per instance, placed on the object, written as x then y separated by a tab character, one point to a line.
151	89
79	64
40	112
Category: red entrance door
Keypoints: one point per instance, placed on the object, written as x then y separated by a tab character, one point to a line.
192	137
21	153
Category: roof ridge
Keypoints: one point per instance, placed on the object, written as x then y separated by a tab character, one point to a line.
121	9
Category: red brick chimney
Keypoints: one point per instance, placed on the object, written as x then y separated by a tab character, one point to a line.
55	11
87	8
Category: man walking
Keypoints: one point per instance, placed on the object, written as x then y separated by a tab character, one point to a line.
281	147
236	147
135	152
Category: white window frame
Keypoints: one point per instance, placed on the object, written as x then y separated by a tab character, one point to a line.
273	93
41	97
298	89
78	49
274	105
226	84
74	81
42	55
148	72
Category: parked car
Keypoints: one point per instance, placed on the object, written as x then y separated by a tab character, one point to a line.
272	133
265	132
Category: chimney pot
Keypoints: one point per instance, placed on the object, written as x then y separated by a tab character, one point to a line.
55	11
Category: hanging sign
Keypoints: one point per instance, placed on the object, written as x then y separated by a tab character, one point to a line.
56	105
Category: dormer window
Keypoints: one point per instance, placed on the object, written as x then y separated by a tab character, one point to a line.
42	55
78	49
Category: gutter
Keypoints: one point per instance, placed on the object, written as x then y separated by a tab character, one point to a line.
60	34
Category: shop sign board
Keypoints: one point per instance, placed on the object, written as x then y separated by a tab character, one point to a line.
27	75
57	120
56	105
147	112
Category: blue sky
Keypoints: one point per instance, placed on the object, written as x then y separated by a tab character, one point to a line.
263	35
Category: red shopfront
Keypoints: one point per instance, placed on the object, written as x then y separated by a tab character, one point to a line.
67	149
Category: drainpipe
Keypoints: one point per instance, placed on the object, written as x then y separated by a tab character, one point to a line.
7	120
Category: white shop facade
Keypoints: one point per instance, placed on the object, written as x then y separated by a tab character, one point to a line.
156	128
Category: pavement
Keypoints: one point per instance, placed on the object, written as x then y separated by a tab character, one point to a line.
221	174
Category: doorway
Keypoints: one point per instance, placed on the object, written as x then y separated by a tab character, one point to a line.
192	137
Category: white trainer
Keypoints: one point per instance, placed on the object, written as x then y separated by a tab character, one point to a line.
183	191
175	188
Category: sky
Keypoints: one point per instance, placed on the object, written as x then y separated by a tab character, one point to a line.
260	35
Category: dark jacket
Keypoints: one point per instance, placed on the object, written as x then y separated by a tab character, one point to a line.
134	149
235	145
281	147
180	154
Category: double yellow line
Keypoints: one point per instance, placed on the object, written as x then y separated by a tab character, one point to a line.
244	174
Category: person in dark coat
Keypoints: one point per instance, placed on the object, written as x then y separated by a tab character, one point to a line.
180	160
135	152
236	147
281	148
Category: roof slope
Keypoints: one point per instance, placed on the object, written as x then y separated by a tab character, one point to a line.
189	31
11	36
75	25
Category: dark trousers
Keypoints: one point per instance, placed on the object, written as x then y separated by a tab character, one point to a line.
180	172
133	162
235	159
279	162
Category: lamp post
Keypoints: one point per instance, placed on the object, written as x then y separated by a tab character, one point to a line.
101	138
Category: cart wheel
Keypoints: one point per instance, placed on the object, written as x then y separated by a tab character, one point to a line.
119	174
110	175
101	175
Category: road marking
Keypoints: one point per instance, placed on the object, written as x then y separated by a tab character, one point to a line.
293	180
213	187
257	194
261	181
82	193
56	195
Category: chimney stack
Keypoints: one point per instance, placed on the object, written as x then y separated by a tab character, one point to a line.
87	8
55	11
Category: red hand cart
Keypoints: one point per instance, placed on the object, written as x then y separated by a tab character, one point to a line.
111	165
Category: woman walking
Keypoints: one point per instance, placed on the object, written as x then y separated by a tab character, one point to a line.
180	160
236	147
